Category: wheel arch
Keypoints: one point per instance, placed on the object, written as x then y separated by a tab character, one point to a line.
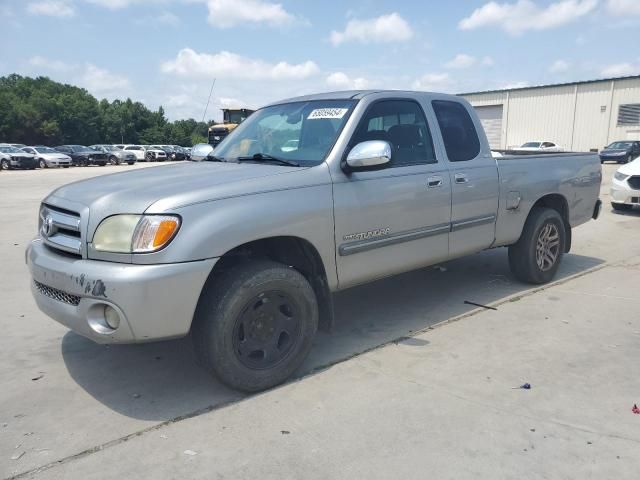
557	202
295	252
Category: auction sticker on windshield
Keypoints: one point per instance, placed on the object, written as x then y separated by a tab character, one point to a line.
319	113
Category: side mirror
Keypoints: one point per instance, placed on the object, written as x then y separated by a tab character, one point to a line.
369	155
200	151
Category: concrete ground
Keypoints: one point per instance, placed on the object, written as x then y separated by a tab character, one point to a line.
413	383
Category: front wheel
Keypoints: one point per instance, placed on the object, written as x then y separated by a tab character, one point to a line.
536	256
43	164
254	325
5	165
114	160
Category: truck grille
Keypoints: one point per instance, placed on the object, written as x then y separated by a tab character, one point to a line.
634	182
56	294
60	229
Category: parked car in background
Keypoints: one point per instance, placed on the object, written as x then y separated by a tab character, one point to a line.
17	145
621	152
154	153
625	186
177	153
115	155
539	147
187	152
12	157
83	156
48	157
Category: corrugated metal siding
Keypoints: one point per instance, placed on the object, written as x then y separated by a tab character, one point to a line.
541	114
625	92
591	122
570	115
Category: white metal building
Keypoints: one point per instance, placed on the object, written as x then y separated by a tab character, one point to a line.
579	116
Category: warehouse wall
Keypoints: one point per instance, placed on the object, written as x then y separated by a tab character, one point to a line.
578	117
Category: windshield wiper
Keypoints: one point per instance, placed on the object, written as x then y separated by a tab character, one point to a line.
265	157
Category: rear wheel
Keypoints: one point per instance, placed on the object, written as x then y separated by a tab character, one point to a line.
621	207
536	256
254	325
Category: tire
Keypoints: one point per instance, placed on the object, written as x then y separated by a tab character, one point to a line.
66	166
5	165
527	262
235	313
621	207
130	163
102	164
43	164
114	160
149	157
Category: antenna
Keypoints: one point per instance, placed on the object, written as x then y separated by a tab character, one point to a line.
208	100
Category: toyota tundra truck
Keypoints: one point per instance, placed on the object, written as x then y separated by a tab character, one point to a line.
245	249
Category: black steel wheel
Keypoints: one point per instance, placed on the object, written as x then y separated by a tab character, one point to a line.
254	325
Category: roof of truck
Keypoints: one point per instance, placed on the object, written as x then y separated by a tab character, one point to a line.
344	95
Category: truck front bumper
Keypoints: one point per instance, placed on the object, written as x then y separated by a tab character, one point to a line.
152	302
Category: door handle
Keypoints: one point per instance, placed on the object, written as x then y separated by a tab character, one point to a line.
433	182
461	178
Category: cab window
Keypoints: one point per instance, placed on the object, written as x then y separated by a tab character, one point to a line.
401	123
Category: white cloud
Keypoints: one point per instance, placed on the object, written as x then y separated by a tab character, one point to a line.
118	4
433	81
516	18
512	85
620	70
623	7
51	8
230	65
342	81
167	18
229	13
384	29
102	82
559	66
48	64
487	61
461	60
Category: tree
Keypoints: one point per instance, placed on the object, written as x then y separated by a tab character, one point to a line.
40	111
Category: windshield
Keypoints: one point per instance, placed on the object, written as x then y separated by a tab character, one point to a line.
45	150
619	145
7	149
302	132
531	145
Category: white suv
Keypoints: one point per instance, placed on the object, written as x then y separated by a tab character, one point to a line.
145	153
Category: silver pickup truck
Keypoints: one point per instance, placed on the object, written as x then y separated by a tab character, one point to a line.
245	249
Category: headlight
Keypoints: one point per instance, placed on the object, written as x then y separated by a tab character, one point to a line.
135	233
620	176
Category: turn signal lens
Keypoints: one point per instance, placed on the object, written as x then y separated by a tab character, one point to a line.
154	232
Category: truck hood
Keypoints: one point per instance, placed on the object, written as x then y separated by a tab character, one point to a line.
168	187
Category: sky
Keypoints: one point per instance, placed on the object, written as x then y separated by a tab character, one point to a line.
167	52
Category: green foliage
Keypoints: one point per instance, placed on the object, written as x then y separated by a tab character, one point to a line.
39	111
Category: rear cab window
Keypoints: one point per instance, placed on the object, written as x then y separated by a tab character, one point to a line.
459	134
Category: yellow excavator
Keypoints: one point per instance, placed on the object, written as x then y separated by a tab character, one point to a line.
232	117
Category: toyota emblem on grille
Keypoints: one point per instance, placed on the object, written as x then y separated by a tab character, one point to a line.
48	228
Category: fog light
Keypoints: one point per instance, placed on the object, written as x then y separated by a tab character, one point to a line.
111	317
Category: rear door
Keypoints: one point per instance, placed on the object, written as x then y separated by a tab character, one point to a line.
395	219
474	179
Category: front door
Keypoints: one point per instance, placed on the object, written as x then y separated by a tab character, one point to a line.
395	219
